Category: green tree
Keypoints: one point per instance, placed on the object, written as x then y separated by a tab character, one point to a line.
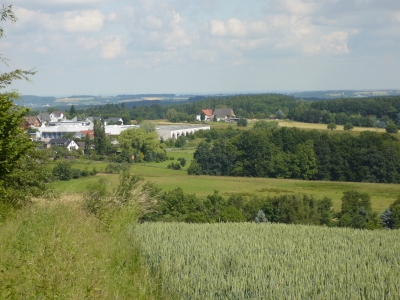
357	212
141	142
99	141
148	126
265	125
348	126
332	126
202	116
182	161
279	114
242	122
72	111
21	172
63	170
395	211
391	128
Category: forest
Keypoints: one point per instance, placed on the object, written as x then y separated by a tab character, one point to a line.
282	152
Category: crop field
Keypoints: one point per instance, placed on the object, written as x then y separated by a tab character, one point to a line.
271	261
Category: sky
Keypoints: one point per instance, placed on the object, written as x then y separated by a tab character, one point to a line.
108	47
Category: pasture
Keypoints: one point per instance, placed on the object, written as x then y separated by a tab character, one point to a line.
167	179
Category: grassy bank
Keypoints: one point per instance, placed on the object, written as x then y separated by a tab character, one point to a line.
53	250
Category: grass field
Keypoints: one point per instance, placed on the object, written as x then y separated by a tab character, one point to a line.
381	194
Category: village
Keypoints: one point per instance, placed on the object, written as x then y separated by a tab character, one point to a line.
55	129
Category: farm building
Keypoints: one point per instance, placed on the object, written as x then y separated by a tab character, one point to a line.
166	132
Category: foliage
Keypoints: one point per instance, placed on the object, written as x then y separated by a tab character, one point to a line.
14	143
182	161
357	212
142	143
148	126
260	218
62	170
28	179
332	126
18	161
348	126
174	166
284	152
115	168
99	141
271	261
395	214
242	122
279	114
391	128
131	196
263	125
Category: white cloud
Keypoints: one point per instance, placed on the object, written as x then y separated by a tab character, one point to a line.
112	47
84	21
236	28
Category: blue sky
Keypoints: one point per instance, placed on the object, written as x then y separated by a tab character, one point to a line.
203	46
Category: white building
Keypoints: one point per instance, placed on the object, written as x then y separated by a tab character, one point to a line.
166	132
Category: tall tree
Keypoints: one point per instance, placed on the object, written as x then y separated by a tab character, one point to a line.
20	174
100	143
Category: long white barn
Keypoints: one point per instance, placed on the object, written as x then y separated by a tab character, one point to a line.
166	132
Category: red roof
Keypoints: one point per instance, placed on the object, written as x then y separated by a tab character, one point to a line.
88	132
207	112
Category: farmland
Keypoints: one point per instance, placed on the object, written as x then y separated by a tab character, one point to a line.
381	194
271	261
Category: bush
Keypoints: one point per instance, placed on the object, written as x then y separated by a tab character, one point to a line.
117	168
391	128
174	166
76	173
182	161
62	170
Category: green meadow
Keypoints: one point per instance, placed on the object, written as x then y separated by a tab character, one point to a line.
167	179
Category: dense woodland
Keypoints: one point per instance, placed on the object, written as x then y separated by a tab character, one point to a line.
282	152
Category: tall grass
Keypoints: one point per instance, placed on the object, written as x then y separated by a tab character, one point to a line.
58	251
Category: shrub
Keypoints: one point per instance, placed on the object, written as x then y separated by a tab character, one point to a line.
62	170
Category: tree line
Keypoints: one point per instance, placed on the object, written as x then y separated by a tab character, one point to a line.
356	211
281	152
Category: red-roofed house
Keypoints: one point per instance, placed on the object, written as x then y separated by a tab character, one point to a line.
208	115
82	134
30	121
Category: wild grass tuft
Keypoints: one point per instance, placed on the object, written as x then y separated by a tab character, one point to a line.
57	250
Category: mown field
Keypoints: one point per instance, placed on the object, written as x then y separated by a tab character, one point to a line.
381	194
271	261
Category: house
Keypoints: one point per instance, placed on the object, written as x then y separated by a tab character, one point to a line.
92	119
57	116
44	118
208	115
70	144
224	114
113	121
83	133
28	122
